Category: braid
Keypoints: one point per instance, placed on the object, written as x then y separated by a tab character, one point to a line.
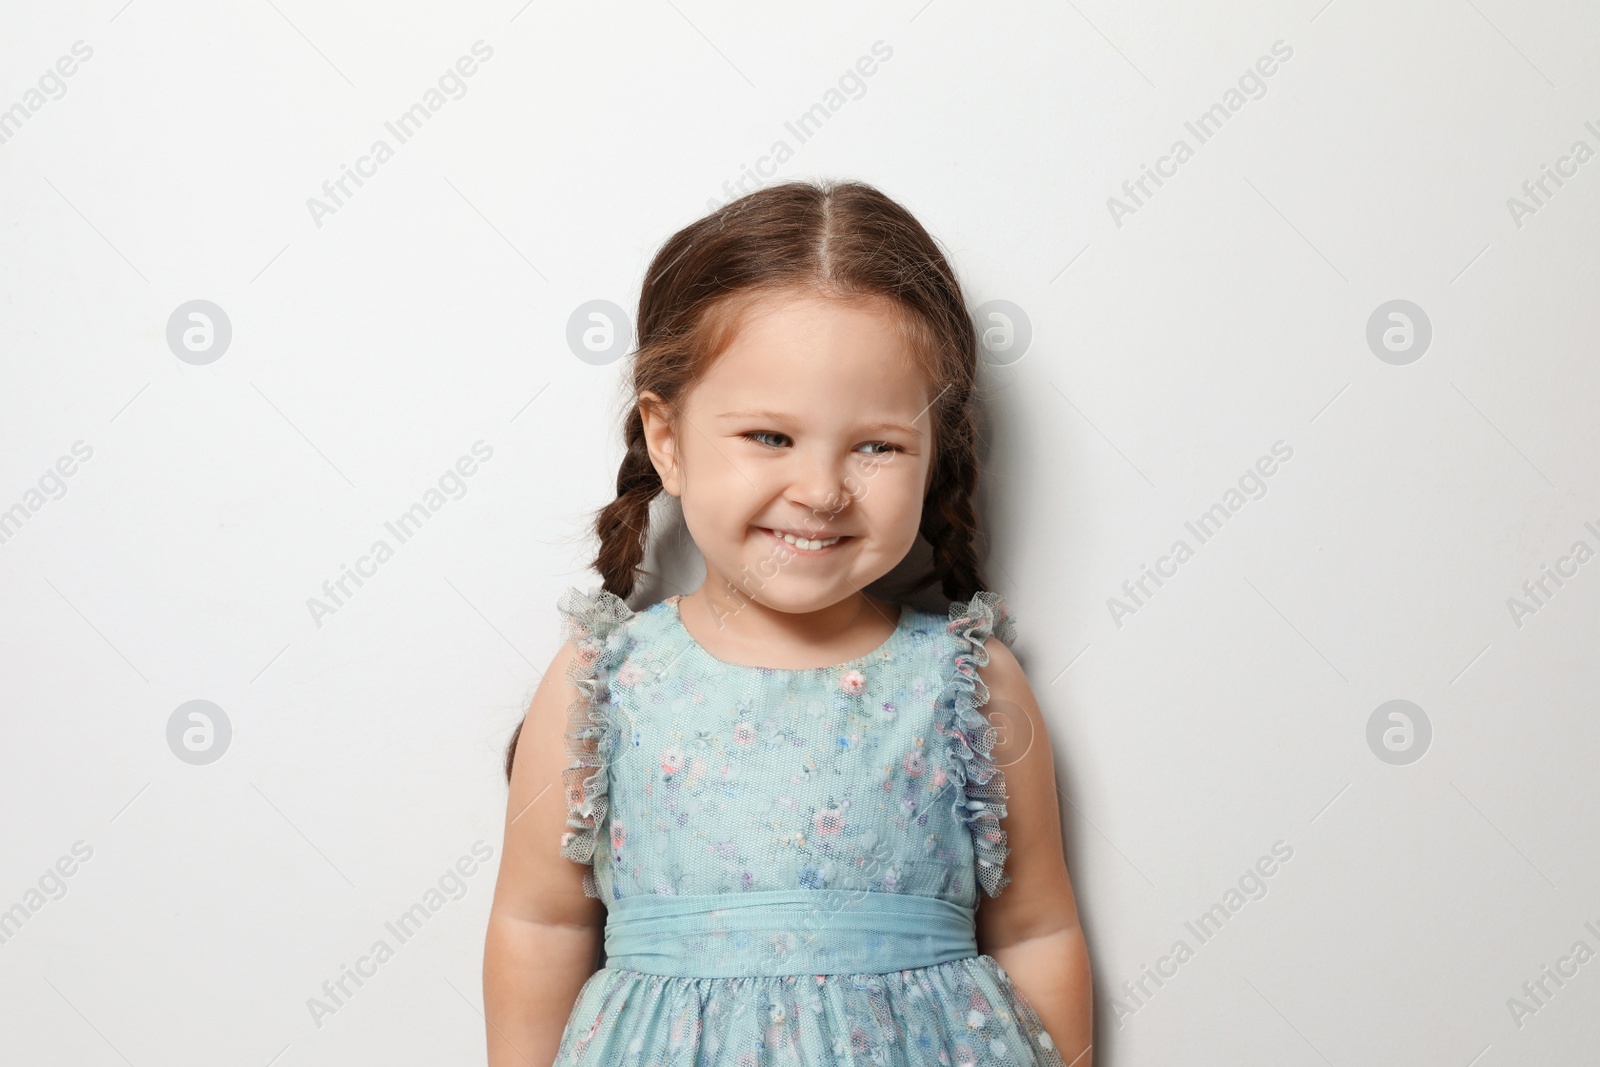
951	528
949	522
624	524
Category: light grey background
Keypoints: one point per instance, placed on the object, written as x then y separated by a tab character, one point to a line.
1168	354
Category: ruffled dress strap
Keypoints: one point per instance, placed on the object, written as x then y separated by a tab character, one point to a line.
980	785
595	622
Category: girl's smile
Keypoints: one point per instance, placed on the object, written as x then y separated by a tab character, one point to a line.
806	546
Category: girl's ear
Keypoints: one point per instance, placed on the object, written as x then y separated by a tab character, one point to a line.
660	441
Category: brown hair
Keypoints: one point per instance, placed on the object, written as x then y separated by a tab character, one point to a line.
841	240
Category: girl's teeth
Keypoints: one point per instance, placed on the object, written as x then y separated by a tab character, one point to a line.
809	545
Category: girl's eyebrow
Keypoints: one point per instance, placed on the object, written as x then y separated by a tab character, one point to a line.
773	415
776	416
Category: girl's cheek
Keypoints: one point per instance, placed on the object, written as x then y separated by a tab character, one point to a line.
900	496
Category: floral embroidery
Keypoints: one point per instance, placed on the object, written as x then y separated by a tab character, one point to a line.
711	778
901	1018
671	759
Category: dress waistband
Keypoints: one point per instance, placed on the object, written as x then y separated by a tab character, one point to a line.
783	931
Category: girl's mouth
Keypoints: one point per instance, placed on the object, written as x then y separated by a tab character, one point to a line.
803	545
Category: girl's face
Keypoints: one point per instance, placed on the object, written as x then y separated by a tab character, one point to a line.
814	421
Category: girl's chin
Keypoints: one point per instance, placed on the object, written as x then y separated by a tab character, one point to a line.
792	584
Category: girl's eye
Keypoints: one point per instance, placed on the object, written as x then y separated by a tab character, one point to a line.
888	447
762	433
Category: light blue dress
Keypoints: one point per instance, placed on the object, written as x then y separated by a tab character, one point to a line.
790	859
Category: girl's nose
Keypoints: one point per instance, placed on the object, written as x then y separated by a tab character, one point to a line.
821	486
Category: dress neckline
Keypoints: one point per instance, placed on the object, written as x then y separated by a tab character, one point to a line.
860	661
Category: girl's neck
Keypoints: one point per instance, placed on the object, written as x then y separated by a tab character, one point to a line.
733	627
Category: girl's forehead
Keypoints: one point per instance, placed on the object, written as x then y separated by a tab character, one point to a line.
885	391
816	351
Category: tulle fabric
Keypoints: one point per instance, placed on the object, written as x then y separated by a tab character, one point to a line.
966	1012
595	623
981	786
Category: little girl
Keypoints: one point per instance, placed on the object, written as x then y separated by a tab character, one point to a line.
782	802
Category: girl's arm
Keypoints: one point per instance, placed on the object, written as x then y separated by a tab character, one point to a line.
544	934
1031	929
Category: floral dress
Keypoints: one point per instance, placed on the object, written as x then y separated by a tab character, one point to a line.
791	860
